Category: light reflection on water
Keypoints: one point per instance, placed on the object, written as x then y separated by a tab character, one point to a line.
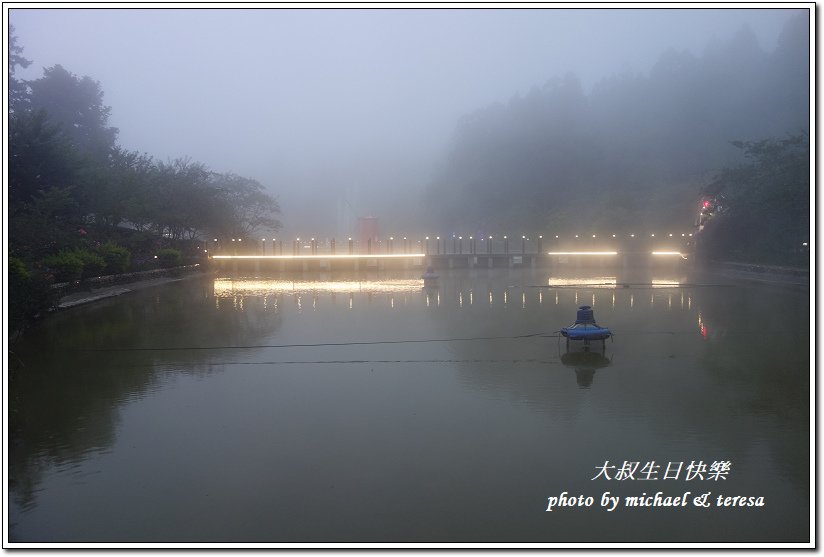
604	282
586	290
228	287
373	409
609	282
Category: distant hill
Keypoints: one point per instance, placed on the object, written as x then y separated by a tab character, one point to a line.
631	155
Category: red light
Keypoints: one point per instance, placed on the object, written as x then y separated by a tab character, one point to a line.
706	204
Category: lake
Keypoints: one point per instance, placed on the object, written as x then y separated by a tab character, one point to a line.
341	408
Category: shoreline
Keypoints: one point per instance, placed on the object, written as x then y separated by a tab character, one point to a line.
122	285
764	274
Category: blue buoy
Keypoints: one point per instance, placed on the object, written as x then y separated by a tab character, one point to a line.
585	315
585	328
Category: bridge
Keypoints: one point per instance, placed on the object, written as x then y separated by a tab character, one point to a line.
454	251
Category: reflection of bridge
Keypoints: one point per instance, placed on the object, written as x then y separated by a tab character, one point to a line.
454	252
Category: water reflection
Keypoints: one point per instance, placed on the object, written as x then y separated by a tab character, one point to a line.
230	288
66	399
611	282
694	373
600	282
302	291
400	292
585	365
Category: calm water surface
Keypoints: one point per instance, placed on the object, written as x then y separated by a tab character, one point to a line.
283	409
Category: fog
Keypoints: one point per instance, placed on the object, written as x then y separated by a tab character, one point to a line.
344	113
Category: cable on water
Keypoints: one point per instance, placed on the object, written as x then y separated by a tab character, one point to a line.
550	334
426	361
307	345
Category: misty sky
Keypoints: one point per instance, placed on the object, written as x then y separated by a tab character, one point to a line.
321	104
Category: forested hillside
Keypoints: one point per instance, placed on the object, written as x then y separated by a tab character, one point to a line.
632	154
80	205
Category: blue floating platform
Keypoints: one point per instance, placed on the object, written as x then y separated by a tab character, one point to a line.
585	327
586	332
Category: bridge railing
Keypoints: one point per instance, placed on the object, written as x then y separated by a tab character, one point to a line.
453	244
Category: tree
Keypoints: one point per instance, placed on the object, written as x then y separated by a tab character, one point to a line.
178	189
77	105
128	194
18	91
244	206
40	158
71	187
639	142
766	204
